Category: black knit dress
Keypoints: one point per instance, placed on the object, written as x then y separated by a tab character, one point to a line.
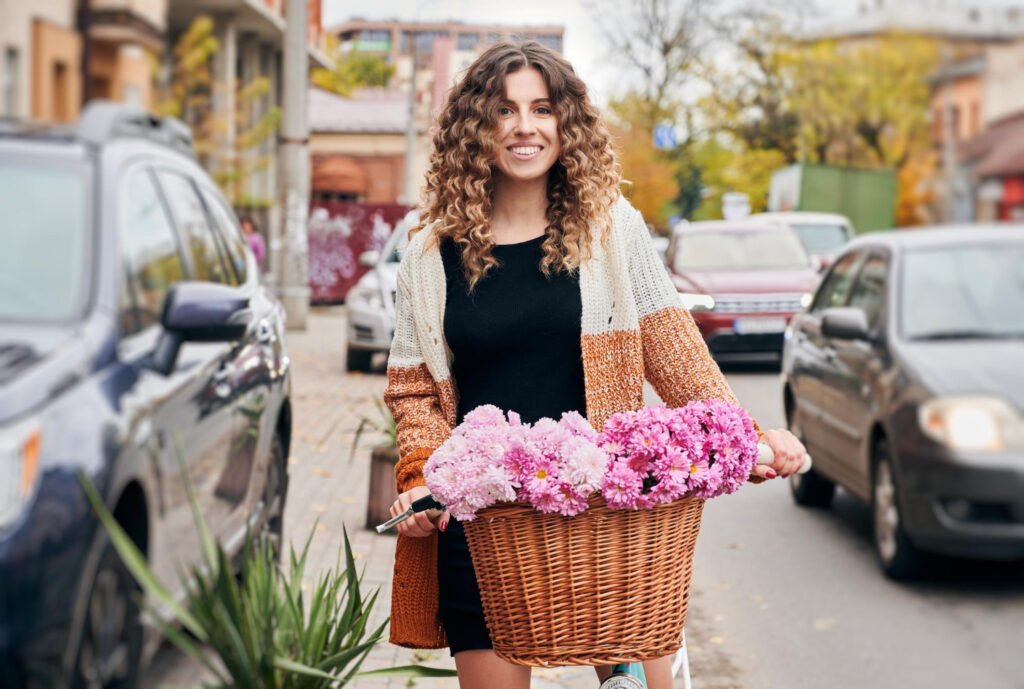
516	345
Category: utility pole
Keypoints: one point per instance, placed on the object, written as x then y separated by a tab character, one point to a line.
410	129
948	137
293	202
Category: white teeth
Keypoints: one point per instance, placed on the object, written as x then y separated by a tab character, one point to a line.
525	150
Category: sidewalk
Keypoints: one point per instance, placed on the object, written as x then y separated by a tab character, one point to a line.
328	491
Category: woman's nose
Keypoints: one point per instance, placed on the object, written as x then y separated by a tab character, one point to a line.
524	125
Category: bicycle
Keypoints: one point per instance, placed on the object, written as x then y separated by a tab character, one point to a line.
624	675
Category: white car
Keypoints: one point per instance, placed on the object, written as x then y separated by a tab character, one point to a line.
371	301
822	234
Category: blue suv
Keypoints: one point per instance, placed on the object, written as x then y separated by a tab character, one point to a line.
134	333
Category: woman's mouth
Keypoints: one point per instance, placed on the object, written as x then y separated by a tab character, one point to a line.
524	152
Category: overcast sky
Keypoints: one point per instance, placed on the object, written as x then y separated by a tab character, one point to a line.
583	40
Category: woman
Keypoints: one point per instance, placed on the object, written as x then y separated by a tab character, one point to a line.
532	285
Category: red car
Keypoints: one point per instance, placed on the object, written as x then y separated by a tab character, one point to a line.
743	282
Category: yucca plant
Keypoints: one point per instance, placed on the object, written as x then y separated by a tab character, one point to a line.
261	630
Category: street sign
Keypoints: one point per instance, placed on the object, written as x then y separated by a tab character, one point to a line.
665	136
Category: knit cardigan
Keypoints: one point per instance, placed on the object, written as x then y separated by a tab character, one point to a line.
634	327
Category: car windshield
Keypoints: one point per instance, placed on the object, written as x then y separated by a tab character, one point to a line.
44	265
963	292
821	238
733	250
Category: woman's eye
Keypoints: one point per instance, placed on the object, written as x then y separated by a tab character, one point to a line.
504	112
543	111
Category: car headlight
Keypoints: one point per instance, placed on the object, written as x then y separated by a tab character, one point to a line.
368	296
697	302
805	300
19	468
972	423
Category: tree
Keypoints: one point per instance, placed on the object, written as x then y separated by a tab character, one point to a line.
190	98
660	42
650	175
351	70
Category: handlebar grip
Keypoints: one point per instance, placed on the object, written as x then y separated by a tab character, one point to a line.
766	456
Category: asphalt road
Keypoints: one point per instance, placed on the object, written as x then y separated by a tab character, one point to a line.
791	598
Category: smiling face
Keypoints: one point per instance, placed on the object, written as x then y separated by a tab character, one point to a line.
527	129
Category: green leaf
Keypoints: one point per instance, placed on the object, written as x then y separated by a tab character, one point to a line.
135	561
299	668
409	671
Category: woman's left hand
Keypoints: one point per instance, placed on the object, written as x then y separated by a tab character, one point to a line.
789	455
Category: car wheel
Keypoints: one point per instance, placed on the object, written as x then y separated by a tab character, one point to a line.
898	557
810	489
275	491
359	360
110	646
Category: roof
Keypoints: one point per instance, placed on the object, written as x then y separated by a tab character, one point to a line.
999	150
796	217
937	236
368	111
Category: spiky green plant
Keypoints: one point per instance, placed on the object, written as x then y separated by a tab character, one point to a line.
261	630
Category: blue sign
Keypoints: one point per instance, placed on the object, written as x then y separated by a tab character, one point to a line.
665	136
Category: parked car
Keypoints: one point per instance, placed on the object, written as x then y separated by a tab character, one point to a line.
742	281
133	332
905	379
822	234
371	301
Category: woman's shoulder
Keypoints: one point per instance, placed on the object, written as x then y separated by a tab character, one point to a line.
420	247
625	220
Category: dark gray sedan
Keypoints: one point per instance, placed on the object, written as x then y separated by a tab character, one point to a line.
905	379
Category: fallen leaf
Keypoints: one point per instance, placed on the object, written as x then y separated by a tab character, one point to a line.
717	640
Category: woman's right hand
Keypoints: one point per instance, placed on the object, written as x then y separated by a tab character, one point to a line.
420	524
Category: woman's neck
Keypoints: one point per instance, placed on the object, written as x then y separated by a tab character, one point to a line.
519	210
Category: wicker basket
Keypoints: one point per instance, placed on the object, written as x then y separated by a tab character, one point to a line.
605	586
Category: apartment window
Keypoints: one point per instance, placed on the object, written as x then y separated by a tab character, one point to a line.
375	35
12	70
61	102
467	41
493	37
553	41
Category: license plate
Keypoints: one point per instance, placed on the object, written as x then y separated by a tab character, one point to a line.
758	326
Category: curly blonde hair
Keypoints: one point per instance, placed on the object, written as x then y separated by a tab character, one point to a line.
582	184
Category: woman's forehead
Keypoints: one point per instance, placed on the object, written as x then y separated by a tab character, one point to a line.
526	85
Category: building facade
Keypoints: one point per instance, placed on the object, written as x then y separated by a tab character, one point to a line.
429	57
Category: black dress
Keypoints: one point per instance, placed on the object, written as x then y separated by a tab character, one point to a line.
516	345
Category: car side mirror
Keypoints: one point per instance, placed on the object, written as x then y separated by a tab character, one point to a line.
369	259
844	323
199	312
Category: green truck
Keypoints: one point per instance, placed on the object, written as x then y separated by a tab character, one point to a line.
866	197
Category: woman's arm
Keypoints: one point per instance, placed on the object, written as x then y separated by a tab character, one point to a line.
412	395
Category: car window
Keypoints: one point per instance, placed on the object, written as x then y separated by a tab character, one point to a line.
191	220
230	233
149	251
963	292
739	250
836	287
868	292
821	238
47	238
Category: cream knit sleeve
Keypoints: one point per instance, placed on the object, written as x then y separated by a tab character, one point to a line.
416	400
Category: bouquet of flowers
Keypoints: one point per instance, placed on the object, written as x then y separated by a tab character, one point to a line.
659	455
641	459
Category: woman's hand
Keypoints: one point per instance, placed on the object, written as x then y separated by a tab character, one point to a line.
422	523
789	455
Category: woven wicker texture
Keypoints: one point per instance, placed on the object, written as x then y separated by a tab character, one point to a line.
605	586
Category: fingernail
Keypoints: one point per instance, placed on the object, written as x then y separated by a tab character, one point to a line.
444	526
771	473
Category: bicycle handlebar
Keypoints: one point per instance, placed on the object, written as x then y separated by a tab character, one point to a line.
429	502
